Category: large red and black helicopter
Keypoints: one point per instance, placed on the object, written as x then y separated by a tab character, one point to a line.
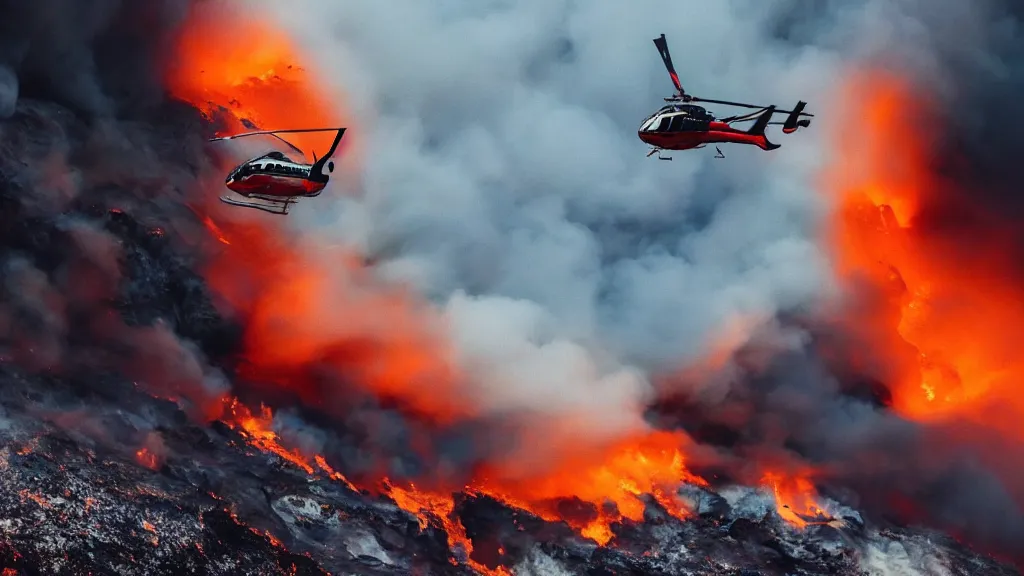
273	182
684	126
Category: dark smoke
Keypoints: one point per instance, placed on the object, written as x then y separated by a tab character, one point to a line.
96	56
982	131
88	138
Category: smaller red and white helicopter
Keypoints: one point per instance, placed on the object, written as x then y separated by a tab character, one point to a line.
685	126
273	182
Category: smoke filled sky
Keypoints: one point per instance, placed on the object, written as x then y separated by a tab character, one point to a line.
500	174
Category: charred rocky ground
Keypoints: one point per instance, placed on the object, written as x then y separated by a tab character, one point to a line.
76	498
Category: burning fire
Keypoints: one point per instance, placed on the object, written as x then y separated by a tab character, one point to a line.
946	332
796	499
227	58
306	305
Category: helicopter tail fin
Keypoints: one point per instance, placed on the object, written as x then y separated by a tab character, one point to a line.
793	122
759	126
316	170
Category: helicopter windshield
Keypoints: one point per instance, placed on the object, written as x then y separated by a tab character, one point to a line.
674	121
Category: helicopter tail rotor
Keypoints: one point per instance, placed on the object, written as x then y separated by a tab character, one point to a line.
793	121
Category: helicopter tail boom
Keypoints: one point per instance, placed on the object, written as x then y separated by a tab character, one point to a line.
759	126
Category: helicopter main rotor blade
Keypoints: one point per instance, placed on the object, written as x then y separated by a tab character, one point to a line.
274	133
662	46
742	105
265	132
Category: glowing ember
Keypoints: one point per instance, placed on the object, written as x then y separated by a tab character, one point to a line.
215	230
146	458
333	474
258	430
37	498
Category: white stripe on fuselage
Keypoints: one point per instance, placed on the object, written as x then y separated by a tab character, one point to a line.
263	167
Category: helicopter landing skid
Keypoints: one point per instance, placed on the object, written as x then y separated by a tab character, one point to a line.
278	206
658	152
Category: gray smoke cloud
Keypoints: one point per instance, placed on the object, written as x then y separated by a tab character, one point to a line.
500	175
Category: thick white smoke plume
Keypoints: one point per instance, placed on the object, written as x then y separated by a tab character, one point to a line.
500	174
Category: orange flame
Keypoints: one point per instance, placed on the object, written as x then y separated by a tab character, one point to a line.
147	459
227	57
258	430
948	341
614	480
151	453
796	499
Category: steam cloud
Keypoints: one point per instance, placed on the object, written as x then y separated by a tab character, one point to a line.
503	179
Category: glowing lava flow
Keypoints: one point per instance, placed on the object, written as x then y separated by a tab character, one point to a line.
227	58
947	335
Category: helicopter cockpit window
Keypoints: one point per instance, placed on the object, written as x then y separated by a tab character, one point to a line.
663	124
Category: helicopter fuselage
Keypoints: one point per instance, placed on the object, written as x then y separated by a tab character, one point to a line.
274	176
687	126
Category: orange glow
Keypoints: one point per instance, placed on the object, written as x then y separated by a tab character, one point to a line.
257	429
151	453
441	508
310	304
617	475
227	56
147	459
947	337
796	499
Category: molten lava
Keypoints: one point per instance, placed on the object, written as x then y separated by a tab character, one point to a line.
946	330
229	59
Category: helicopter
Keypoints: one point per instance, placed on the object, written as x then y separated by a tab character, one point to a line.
273	182
681	125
